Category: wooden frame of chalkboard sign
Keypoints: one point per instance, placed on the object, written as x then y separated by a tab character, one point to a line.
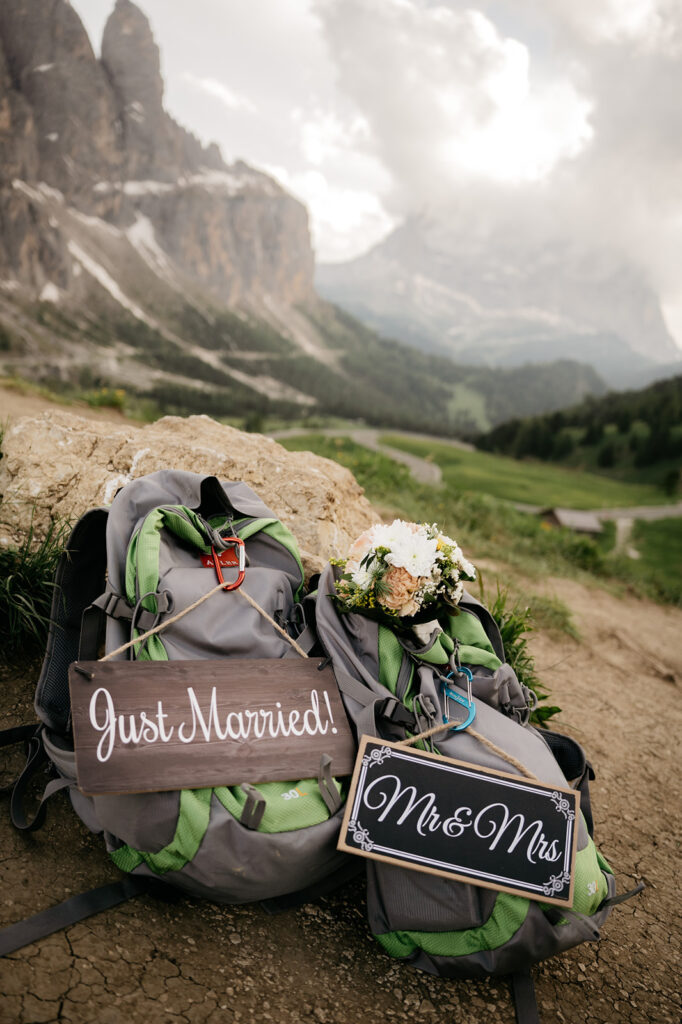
458	820
148	726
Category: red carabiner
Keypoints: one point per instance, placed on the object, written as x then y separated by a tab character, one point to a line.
239	544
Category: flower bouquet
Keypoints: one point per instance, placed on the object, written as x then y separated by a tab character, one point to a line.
403	574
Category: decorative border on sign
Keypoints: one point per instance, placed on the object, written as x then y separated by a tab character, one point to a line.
376	756
556	883
562	805
361	836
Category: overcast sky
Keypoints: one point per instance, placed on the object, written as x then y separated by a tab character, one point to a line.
554	112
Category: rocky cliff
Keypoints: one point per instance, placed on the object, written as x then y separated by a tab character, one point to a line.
94	136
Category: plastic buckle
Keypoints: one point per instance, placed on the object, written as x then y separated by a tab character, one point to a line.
465	702
116	607
237	543
397	713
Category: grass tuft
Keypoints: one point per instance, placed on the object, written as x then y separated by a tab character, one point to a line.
551	614
26	588
516	621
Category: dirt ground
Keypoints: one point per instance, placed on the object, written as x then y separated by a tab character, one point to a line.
187	962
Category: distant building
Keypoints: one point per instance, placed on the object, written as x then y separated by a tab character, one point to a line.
572	519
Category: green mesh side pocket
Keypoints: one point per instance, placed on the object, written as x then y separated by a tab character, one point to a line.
193	819
590	886
506	918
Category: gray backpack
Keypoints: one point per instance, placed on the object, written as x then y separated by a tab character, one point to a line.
391	688
125	570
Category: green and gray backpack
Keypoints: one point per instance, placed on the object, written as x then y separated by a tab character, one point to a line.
127	569
392	688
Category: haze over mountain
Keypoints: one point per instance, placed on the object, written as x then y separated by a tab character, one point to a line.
502	291
132	255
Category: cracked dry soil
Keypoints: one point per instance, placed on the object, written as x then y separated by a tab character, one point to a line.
188	962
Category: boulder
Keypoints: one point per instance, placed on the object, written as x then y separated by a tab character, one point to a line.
57	465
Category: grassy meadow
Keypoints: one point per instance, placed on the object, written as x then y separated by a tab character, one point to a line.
659	544
528	481
470	507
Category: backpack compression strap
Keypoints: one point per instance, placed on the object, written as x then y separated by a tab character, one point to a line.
71	911
395	717
36	761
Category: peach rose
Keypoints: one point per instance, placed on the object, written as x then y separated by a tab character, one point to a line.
402	587
359	548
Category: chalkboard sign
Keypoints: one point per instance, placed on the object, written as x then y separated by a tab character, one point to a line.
144	726
450	818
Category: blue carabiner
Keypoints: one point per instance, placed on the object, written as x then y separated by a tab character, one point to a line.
466	702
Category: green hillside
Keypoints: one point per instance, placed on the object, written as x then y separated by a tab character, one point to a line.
632	436
490	528
197	359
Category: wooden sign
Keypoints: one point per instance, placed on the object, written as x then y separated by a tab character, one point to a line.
146	726
461	821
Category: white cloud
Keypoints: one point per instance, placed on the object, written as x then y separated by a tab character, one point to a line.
650	25
564	114
217	89
344	221
529	133
326	136
447	96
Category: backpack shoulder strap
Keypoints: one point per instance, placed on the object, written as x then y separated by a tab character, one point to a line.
79	580
525	1002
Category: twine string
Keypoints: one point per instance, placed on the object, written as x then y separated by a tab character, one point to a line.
481	739
190	608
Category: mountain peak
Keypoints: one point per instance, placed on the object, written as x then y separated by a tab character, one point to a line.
132	60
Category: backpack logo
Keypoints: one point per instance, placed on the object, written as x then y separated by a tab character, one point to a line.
226	558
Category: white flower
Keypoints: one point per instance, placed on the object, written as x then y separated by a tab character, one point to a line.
415	552
467	568
403	567
390	535
362	578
